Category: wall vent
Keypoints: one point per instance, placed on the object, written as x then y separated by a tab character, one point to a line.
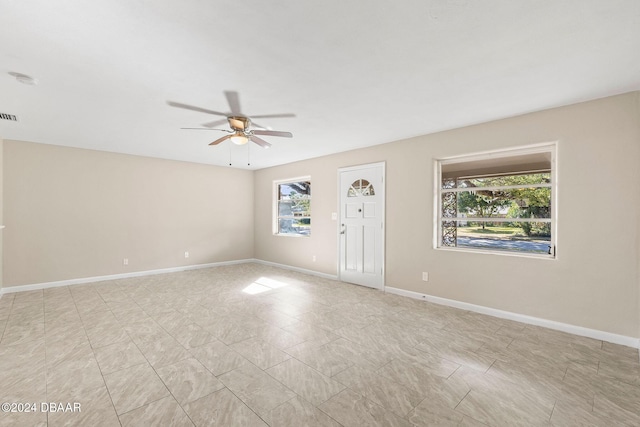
9	117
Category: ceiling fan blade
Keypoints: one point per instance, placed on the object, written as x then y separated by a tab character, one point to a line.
268	116
192	108
221	130
261	142
256	125
234	101
219	140
215	123
273	133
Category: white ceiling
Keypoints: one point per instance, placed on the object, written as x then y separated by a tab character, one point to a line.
356	73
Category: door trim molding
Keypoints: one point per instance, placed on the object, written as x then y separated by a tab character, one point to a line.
383	165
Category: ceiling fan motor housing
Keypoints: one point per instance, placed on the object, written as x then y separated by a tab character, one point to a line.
239	123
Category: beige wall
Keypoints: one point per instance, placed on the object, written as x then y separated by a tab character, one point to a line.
73	213
593	283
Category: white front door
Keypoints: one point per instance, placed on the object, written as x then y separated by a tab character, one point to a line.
362	225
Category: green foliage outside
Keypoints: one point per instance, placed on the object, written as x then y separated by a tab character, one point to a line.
521	202
301	203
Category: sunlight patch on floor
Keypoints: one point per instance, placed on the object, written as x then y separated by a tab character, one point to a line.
263	284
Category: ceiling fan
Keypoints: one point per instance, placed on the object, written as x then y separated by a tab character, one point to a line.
241	130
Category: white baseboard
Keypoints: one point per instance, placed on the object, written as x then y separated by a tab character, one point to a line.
47	285
564	327
299	270
558	326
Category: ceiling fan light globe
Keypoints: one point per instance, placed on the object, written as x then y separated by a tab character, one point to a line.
239	139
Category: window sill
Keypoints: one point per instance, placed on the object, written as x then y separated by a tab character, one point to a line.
291	235
502	253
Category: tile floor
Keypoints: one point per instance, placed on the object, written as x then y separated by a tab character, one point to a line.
255	345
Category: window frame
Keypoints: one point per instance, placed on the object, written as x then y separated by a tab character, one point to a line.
547	147
276	200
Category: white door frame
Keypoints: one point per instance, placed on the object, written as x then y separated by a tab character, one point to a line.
384	208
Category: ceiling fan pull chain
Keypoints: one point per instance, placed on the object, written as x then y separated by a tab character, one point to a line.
229	154
248	154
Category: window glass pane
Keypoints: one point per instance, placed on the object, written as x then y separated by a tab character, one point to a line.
361	187
284	208
294	208
501	181
299	226
479	207
367	188
513	203
295	189
294	198
526	237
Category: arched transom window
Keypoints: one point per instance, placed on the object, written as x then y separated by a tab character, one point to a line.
361	187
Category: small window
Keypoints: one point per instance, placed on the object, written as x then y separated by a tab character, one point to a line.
293	208
498	202
361	187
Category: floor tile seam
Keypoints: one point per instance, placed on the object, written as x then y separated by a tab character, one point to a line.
342	370
540	403
325	412
121	369
96	359
566	371
308	366
4	328
552	410
619	381
138	364
297	396
442	358
539	388
285	386
382	405
236	396
46	370
363	396
249	407
8	316
377	371
66	323
140	407
222	373
93	349
263	371
170	393
157	324
630	362
605	397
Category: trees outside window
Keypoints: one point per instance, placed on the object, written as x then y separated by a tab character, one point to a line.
293	208
498	202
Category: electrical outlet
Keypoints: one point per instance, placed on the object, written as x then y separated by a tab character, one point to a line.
186	254
125	261
425	276
313	258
